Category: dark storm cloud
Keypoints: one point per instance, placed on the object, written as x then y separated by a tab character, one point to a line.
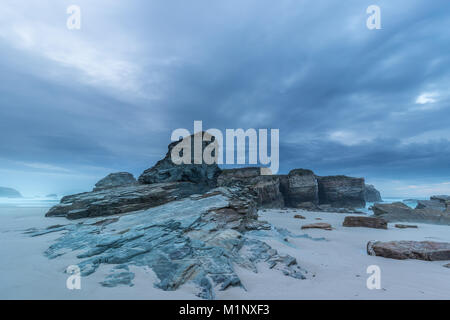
344	97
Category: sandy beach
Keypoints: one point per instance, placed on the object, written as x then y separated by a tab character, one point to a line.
336	266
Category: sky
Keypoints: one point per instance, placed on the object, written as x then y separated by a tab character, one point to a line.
76	105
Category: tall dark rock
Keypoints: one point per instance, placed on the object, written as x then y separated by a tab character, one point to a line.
342	191
298	187
372	194
167	171
265	188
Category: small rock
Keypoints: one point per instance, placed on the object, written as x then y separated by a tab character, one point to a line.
447	265
299	216
366	222
406	226
319	225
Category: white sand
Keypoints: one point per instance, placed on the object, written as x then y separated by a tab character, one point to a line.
339	265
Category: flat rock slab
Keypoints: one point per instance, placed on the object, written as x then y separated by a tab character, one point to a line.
365	222
320	225
401	250
406	226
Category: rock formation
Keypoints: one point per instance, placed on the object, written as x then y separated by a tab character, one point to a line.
425	250
366	222
198	239
342	191
118	179
121	199
319	225
371	194
9	193
398	211
299	186
266	189
167	171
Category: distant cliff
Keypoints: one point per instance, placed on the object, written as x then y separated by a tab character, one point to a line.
9	193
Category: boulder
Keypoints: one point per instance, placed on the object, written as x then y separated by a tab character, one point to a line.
299	186
121	199
366	222
371	194
299	216
265	188
167	171
319	225
9	193
400	212
118	179
342	191
425	250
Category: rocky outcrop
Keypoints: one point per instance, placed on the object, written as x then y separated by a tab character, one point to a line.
441	198
266	189
9	193
342	191
406	226
197	240
431	204
398	211
299	186
425	250
113	180
371	194
121	199
167	171
365	222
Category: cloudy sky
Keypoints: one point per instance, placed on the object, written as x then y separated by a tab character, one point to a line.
78	104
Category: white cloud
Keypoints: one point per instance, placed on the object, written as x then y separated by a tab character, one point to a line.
427	97
348	138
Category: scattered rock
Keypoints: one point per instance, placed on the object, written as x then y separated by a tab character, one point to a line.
342	191
9	193
118	179
406	226
299	216
371	194
319	225
366	222
425	250
447	265
167	171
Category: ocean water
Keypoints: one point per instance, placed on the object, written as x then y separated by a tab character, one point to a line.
28	202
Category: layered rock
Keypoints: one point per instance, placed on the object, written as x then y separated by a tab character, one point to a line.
118	179
371	194
199	239
265	188
342	191
299	186
425	250
431	204
9	193
166	170
121	199
398	211
365	222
